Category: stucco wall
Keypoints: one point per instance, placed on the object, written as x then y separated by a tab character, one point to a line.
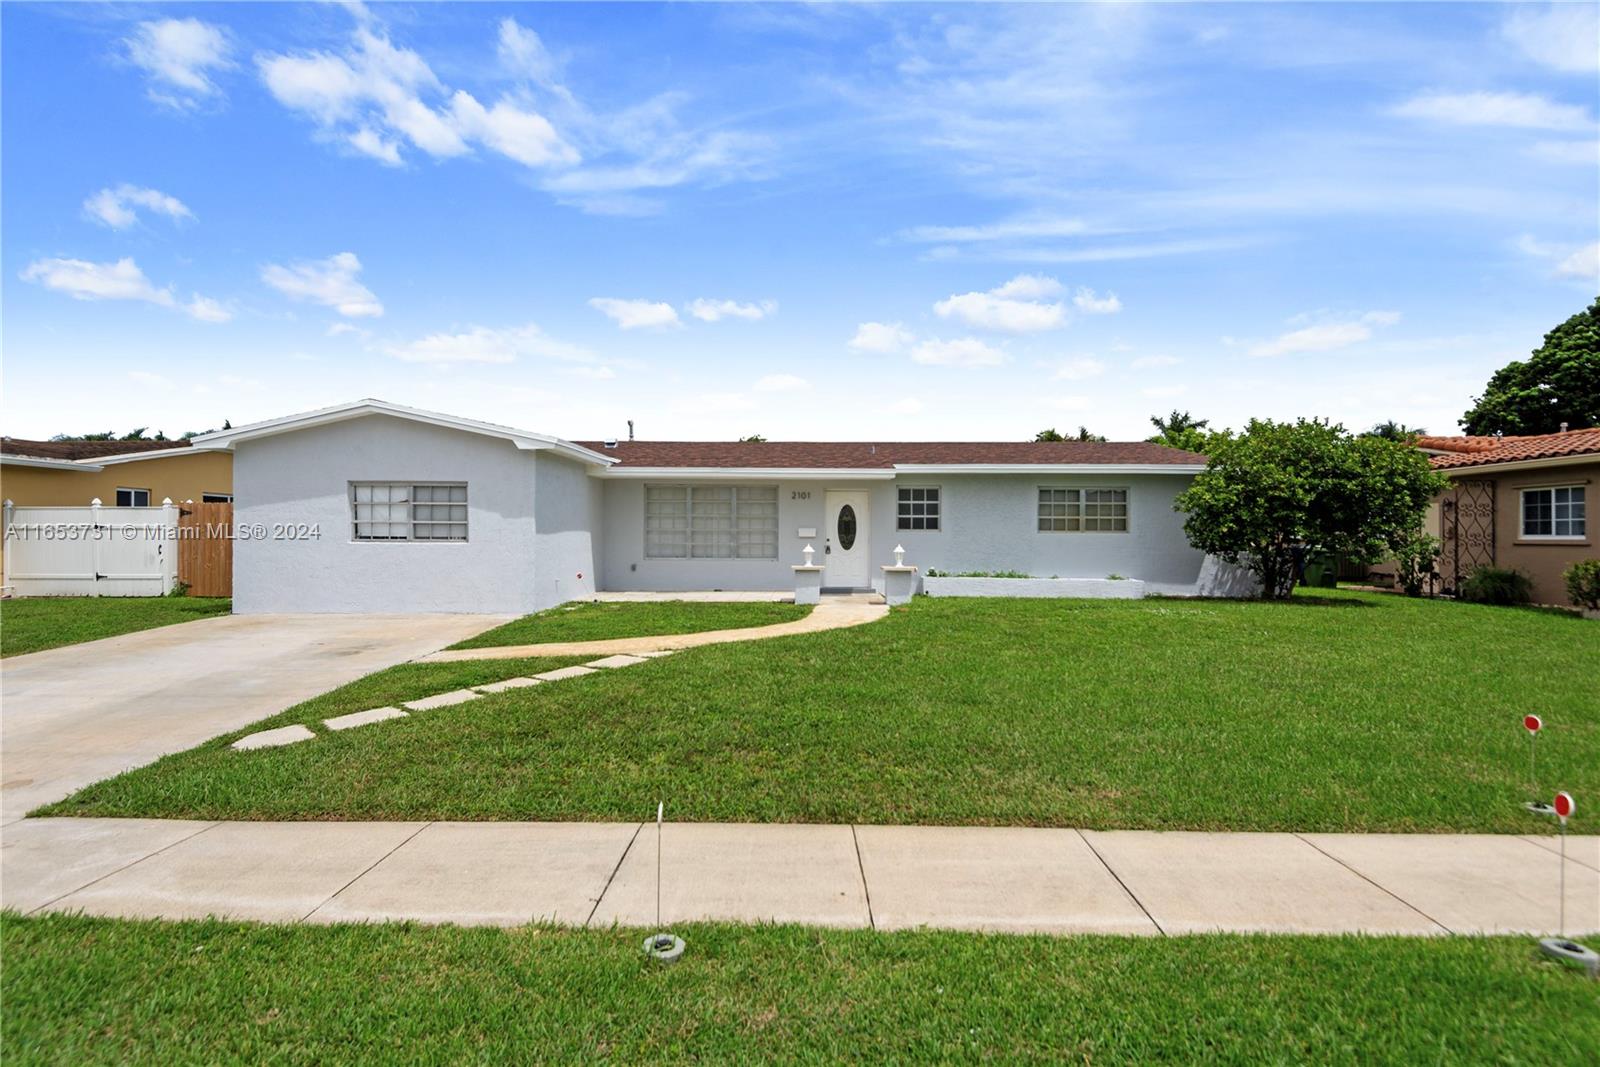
1542	561
303	478
566	509
989	522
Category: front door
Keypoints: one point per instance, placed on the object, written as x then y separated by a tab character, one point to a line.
845	556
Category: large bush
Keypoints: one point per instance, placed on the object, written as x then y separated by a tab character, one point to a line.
1583	583
1496	585
1281	491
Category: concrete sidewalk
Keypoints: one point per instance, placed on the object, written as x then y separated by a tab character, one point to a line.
885	877
835	612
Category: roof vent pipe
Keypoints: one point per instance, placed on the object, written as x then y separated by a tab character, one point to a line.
630	429
1563	427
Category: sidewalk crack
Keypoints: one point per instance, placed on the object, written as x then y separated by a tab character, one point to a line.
866	890
368	870
1131	895
125	866
612	876
1371	882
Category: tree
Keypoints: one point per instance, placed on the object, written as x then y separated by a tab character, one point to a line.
1182	430
1395	431
1051	434
753	439
1281	490
1559	383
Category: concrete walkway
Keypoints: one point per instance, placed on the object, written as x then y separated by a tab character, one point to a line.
832	614
885	877
77	714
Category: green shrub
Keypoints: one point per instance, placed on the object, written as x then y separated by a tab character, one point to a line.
1583	583
1414	559
1496	585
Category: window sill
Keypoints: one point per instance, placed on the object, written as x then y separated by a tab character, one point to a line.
1564	542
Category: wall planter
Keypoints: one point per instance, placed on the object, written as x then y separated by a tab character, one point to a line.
1095	588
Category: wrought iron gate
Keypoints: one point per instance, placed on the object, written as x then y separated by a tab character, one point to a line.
1466	519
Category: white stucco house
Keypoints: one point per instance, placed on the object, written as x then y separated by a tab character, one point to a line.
374	507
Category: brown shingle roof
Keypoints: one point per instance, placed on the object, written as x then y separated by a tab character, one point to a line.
851	455
17	446
1520	449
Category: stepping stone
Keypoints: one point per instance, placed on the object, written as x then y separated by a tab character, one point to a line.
564	672
442	700
616	661
509	683
283	735
361	718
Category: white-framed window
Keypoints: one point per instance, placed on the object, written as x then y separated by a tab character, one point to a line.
1063	510
917	508
133	498
711	522
1554	512
409	511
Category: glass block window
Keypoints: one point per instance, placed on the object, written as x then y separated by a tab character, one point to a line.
1555	512
1076	510
917	508
711	522
406	511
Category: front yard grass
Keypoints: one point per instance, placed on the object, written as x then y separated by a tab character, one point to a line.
1343	712
602	620
33	624
82	990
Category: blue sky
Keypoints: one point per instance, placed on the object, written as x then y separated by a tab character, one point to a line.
830	222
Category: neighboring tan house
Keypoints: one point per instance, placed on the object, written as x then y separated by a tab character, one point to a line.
117	473
375	507
1516	502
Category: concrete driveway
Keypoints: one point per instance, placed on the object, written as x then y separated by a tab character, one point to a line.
78	714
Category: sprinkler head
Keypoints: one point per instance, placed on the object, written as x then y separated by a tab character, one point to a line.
1572	954
1539	807
664	947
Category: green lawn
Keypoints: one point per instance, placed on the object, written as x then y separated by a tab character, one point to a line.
81	990
37	623
602	620
1352	712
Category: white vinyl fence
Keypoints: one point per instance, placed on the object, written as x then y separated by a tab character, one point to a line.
92	551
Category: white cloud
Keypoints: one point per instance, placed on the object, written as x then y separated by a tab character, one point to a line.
1077	369
1584	263
1007	307
960	352
1164	392
122	280
331	282
635	314
341	329
1326	336
599	374
1008	230
1525	110
881	337
144	377
482	344
781	383
713	310
375	97
1152	362
908	406
116	207
1561	36
1086	301
179	55
1577	153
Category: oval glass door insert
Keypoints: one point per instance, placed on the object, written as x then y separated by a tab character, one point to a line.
847	527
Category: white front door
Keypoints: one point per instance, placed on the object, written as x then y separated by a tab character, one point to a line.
845	556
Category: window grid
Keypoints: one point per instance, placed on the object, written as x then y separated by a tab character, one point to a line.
408	511
917	508
1556	512
711	522
1082	510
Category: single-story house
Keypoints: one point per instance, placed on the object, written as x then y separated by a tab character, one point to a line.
117	473
374	507
1516	502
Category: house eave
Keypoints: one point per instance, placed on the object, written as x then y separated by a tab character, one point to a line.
1521	465
1050	468
833	474
51	464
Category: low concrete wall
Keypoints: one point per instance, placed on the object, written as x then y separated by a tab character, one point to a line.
1092	588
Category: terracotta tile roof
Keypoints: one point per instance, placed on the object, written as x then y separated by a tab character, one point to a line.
850	455
1462	444
1519	449
17	446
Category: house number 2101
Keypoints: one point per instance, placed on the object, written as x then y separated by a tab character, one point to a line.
800	495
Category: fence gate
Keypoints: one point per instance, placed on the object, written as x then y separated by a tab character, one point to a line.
1466	519
205	548
92	551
